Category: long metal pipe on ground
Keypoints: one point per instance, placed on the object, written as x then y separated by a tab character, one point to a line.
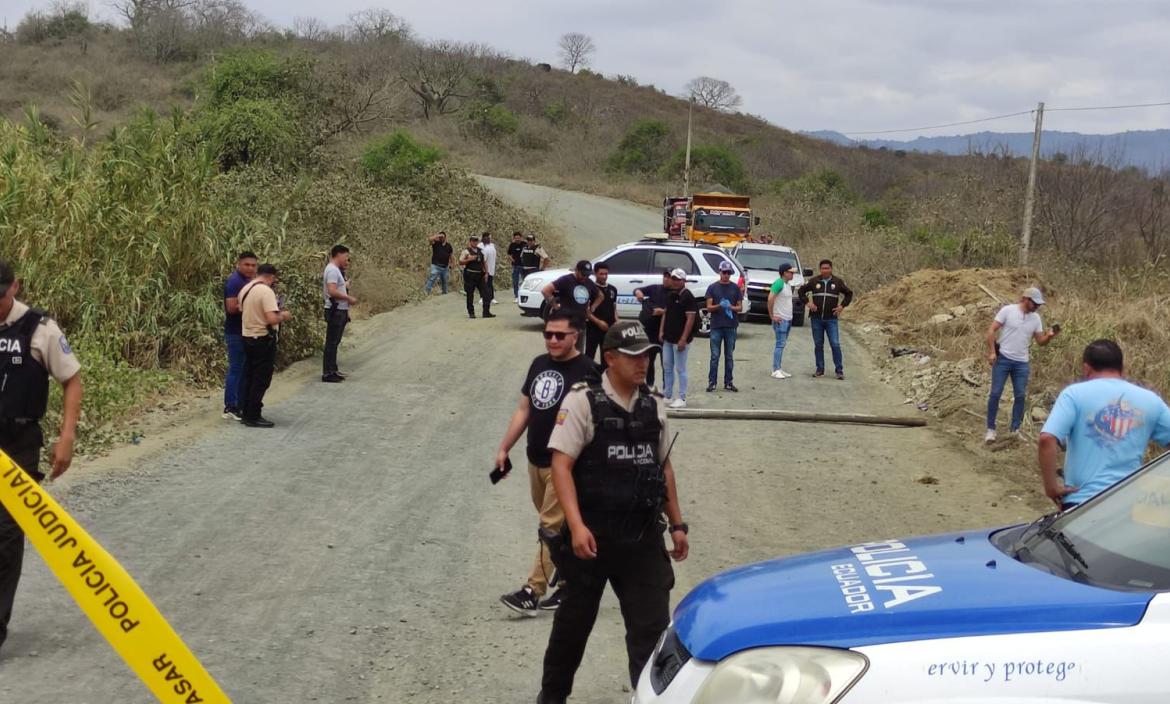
793	416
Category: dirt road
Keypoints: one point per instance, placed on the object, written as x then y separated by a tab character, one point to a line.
355	552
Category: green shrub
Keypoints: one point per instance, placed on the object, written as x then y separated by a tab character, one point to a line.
490	122
397	159
557	112
37	27
816	190
642	150
875	217
254	131
710	164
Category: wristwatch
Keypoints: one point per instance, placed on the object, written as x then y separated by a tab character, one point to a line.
681	526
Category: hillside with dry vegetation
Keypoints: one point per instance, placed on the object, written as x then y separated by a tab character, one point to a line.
1101	234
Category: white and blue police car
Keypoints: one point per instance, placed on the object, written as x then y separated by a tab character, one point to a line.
1071	608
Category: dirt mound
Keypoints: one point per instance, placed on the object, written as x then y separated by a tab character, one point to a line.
913	300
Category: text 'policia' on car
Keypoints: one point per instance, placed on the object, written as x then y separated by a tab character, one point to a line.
1068	608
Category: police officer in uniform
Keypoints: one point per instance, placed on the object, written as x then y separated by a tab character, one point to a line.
614	479
32	349
533	258
472	260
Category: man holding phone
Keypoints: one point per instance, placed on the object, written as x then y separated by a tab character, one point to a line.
549	378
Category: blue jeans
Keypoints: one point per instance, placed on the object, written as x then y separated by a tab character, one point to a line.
1018	371
674	359
819	330
517	277
437	272
233	385
781	329
725	338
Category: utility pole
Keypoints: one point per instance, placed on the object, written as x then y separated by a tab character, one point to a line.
1030	195
687	167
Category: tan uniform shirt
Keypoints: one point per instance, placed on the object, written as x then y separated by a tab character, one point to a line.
257	298
574	426
49	347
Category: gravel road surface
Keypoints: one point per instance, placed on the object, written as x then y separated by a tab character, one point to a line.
355	553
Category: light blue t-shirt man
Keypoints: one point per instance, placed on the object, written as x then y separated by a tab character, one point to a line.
1106	425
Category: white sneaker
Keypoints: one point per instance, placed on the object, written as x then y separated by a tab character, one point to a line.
494	301
785	375
990	436
678	403
777	374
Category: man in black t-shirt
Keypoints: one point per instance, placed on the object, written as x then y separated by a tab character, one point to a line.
677	331
515	249
653	299
603	316
575	293
441	252
549	378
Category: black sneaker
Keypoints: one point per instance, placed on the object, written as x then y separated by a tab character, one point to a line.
552	602
260	422
232	413
489	315
523	601
710	388
818	373
471	315
840	376
332	378
730	387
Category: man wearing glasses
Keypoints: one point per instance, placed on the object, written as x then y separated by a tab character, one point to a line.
549	378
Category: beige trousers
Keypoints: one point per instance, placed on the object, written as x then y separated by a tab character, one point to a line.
544	498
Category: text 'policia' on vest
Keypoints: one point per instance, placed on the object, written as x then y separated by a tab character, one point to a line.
24	383
620	481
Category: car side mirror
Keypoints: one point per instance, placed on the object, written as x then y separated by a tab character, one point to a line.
807	273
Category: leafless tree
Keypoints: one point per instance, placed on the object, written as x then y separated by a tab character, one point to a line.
375	25
311	29
1152	213
713	93
438	75
1078	201
576	50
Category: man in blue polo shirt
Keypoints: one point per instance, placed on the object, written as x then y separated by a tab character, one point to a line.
1105	422
233	334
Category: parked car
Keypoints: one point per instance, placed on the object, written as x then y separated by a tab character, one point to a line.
762	262
639	264
1073	607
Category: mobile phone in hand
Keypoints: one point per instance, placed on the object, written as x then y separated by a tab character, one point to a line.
500	472
1056	327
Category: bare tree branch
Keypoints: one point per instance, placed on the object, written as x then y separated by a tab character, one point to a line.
576	50
713	93
377	25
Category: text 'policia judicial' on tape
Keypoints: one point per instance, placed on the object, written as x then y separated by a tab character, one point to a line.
116	605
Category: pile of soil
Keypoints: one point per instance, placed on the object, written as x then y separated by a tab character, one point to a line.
914	299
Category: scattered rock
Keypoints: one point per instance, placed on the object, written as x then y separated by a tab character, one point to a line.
1039	414
927	479
941	318
959	311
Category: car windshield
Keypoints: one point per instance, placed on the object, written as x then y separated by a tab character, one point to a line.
1118	540
722	221
764	258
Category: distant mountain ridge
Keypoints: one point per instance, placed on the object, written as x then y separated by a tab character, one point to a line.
1146	149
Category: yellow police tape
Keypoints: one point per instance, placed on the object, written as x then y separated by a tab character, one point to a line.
112	600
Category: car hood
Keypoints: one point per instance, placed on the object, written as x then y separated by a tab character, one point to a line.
890	591
765	277
548	274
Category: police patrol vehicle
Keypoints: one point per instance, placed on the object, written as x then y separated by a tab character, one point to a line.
1071	608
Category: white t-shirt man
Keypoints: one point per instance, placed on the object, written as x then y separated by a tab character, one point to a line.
333	275
782	304
1019	328
489	257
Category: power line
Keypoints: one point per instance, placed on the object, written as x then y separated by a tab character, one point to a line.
1108	107
1002	117
935	127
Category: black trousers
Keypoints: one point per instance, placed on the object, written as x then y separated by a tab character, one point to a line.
472	282
335	322
593	337
23	444
259	363
489	286
642	578
651	326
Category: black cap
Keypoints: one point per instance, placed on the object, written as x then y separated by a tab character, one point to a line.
627	337
266	270
7	276
786	266
584	267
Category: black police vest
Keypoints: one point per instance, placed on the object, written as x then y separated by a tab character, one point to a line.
24	382
475	265
529	259
619	474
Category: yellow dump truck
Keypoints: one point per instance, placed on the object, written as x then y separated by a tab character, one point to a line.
720	218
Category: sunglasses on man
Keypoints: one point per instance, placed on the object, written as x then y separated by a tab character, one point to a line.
557	335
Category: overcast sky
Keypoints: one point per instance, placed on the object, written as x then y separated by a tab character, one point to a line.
848	65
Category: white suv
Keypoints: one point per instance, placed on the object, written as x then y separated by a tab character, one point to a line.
640	264
762	263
